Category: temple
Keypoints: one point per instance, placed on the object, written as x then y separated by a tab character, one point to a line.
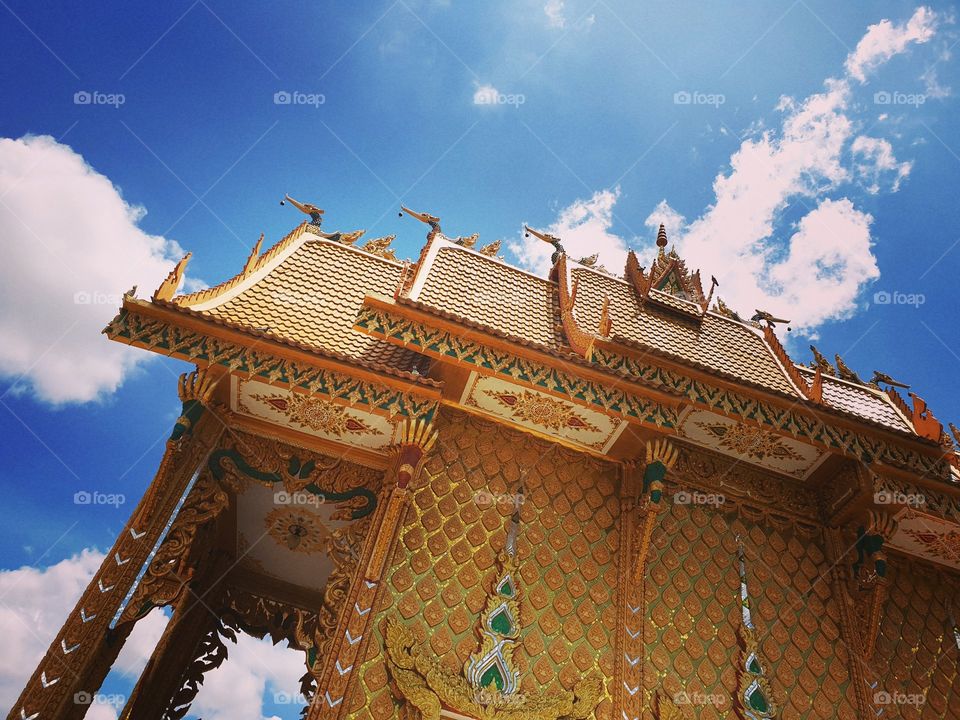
465	491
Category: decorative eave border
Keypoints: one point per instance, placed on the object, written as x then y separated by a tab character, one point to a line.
434	336
416	329
772	415
175	334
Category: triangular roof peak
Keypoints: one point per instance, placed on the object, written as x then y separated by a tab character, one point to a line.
668	275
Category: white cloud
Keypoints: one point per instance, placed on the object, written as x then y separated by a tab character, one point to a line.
876	162
665	215
34	603
485	95
886	39
235	690
584	226
817	273
555	15
71	248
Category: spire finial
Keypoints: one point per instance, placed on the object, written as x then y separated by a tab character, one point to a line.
662	236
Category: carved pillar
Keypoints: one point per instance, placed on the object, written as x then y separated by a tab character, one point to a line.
870	573
193	619
352	635
849	625
641	502
80	655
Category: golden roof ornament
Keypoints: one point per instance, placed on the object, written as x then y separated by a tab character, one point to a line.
547	238
844	372
662	236
879	377
820	362
315	213
769	319
467	241
492	249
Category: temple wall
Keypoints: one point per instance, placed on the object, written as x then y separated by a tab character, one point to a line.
692	591
917	655
445	563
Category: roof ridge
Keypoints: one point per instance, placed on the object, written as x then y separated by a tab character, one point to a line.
252	266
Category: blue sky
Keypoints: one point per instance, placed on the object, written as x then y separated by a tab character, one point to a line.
810	147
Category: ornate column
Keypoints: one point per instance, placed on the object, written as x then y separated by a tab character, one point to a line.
870	573
354	628
82	652
194	617
641	502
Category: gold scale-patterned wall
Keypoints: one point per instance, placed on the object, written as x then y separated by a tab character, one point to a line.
445	564
446	561
693	612
917	653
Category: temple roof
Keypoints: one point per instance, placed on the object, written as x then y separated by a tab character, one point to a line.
307	290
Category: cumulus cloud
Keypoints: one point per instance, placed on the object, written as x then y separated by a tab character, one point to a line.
875	160
72	247
665	215
235	690
816	273
554	11
33	606
585	227
887	39
35	602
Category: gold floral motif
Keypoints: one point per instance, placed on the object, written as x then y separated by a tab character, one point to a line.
316	413
297	530
945	546
427	685
541	410
750	441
